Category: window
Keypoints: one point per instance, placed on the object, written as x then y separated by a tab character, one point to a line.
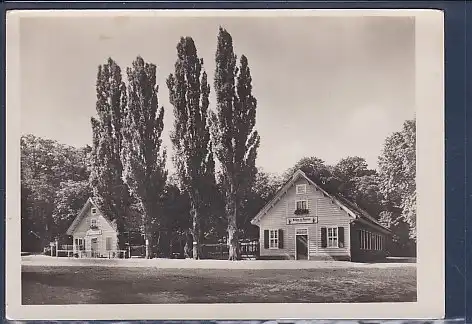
108	243
273	239
301	231
79	243
301	204
301	189
93	223
365	240
332	237
94	211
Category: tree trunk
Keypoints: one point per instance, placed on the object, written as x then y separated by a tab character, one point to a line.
147	236
146	242
233	240
188	244
196	234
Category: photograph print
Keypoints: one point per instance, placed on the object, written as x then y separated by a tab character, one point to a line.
219	159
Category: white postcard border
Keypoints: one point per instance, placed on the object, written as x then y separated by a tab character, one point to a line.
430	186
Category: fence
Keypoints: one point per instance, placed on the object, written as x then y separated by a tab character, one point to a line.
94	254
68	251
137	251
248	249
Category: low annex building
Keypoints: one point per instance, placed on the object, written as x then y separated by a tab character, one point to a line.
304	222
94	235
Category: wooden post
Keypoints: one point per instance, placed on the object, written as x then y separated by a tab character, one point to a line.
57	248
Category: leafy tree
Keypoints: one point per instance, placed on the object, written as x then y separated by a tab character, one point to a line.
262	191
176	218
45	165
316	169
234	134
69	200
351	167
109	189
143	156
365	192
397	169
401	244
349	170
188	93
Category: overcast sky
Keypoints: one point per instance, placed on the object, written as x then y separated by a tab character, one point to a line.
329	87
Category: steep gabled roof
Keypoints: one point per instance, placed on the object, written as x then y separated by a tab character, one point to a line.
81	215
349	207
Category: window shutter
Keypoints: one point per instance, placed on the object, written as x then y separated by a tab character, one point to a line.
324	239
266	239
281	239
341	237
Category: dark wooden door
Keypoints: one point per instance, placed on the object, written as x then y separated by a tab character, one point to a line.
302	247
94	247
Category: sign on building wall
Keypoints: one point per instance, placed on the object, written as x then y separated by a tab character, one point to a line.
94	232
302	220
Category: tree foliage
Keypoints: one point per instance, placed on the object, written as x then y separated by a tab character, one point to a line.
317	170
397	168
236	140
359	184
69	200
176	218
142	155
264	188
109	189
193	157
45	166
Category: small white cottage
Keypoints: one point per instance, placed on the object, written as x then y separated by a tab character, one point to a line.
94	235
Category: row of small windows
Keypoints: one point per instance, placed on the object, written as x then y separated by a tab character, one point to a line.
331	237
80	243
370	241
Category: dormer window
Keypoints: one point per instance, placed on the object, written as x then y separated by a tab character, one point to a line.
94	211
93	223
301	189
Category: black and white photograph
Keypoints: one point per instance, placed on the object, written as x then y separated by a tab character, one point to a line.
225	164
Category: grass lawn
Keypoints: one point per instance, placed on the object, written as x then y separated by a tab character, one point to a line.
118	285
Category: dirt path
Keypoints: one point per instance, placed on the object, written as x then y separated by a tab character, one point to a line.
41	260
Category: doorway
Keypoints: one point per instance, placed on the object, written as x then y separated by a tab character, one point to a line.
94	247
301	244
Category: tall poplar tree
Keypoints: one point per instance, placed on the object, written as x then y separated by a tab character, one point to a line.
108	187
236	140
143	155
188	93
